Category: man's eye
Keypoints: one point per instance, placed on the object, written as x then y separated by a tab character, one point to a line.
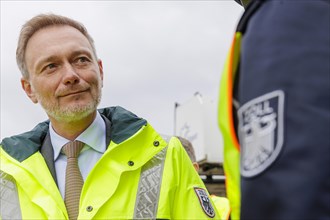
82	59
51	66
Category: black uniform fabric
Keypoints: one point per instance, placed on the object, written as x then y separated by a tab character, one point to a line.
285	49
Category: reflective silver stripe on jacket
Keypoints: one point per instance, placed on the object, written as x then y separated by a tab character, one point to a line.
146	203
9	202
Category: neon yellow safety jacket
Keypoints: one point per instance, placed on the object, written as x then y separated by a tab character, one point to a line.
140	176
222	206
227	115
225	119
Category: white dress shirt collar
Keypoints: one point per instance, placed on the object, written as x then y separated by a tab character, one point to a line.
93	136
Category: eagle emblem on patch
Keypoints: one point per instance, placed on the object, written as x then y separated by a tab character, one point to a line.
205	202
260	132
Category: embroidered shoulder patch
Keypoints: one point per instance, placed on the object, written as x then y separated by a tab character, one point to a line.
260	132
205	201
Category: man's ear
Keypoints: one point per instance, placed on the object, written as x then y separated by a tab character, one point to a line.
196	166
26	85
99	62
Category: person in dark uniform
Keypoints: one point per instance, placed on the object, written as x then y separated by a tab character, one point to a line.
280	109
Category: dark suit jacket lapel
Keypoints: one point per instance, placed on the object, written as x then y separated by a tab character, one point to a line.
47	152
107	131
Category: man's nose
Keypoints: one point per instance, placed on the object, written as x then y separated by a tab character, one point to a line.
70	75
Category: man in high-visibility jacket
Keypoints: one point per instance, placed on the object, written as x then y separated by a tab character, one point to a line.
128	170
221	203
274	111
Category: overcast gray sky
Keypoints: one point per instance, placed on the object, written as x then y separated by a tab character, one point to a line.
154	53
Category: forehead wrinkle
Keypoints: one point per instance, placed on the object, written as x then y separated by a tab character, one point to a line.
68	34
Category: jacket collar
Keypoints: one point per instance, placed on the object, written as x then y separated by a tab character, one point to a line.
123	124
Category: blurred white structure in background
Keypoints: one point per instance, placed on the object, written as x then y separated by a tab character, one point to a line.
196	120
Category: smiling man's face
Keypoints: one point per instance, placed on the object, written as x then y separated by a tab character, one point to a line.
65	76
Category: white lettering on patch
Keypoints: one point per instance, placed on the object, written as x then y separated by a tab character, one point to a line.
260	132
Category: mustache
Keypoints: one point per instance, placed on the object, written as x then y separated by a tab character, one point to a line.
72	90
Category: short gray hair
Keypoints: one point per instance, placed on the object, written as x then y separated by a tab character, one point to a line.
188	147
37	23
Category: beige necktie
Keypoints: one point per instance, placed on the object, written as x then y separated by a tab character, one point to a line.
73	178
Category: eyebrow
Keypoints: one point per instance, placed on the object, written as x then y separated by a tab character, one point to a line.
78	52
44	60
52	58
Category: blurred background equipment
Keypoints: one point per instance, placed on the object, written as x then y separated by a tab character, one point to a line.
196	121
